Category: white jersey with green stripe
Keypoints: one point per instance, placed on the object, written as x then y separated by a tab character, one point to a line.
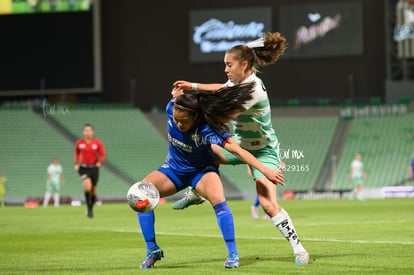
357	167
254	126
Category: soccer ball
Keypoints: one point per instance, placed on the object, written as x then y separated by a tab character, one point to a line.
143	197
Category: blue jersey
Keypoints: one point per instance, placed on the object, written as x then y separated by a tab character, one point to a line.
190	151
412	168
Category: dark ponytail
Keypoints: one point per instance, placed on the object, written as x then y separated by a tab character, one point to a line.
216	108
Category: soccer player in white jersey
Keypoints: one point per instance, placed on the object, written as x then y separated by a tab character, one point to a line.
254	129
53	183
357	176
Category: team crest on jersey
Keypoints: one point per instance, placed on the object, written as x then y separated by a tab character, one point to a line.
195	138
94	146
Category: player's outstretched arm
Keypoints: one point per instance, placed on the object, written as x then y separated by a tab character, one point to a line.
274	176
186	85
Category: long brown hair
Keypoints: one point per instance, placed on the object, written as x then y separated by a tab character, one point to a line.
215	107
273	49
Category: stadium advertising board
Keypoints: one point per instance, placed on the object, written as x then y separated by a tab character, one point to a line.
213	31
323	29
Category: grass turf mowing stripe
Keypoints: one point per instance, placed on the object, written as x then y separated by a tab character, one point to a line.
271	238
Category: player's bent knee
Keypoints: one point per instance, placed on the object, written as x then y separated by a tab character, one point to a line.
214	200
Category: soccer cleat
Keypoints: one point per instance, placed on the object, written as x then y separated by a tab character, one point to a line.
152	256
89	213
232	261
191	197
255	212
266	217
302	258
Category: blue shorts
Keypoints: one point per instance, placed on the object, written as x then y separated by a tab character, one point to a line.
181	181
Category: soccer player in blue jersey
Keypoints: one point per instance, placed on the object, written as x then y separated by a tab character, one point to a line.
254	129
411	169
195	122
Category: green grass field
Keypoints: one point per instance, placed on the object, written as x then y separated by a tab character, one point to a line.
342	237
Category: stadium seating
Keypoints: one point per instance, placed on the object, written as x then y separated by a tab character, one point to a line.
133	145
28	145
386	146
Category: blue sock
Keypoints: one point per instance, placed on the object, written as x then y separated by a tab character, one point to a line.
256	202
147	221
226	224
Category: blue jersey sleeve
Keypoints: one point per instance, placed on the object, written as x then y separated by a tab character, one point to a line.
215	137
412	168
169	107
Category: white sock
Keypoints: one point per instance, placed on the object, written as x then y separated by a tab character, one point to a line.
285	226
46	199
56	198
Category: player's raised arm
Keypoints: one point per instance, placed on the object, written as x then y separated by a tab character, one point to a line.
186	85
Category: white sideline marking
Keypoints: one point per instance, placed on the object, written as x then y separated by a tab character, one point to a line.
353	222
272	238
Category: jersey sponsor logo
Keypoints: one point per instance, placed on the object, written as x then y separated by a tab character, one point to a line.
82	146
178	143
